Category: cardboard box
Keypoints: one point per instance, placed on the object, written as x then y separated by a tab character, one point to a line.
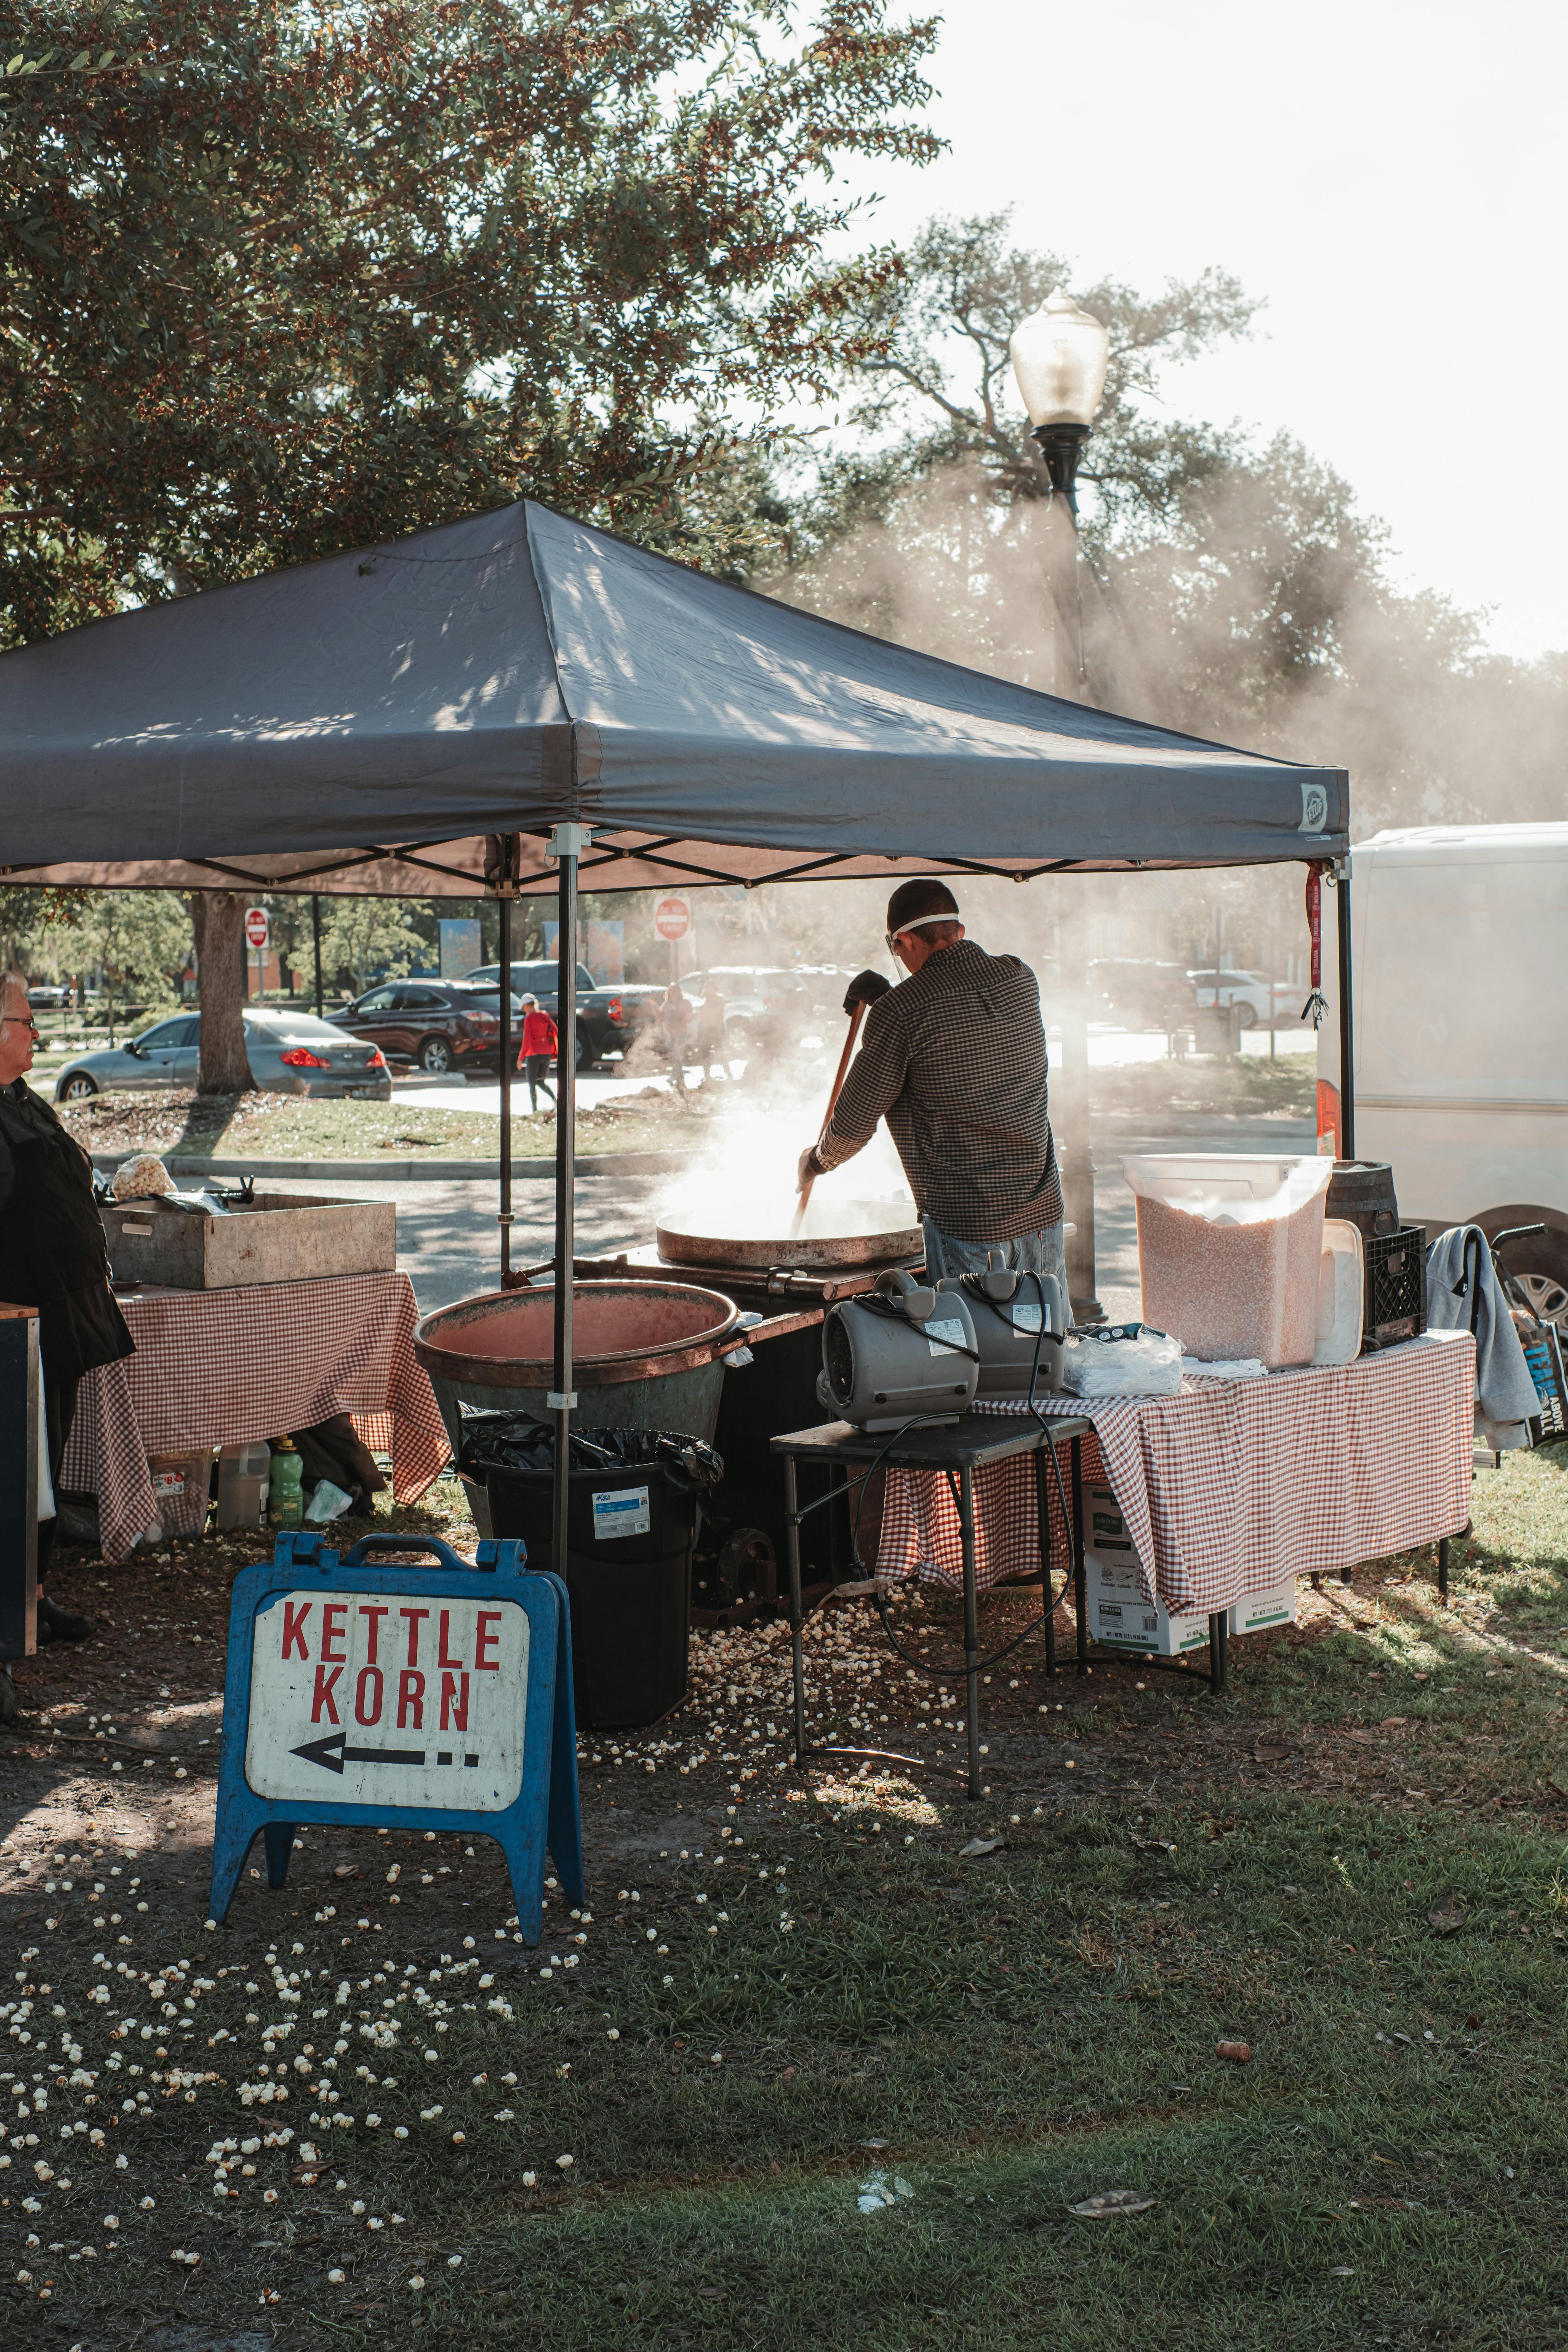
1259	1613
1119	1615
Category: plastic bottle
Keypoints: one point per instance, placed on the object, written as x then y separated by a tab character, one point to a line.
286	1508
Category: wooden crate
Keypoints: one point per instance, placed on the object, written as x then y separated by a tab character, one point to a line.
276	1237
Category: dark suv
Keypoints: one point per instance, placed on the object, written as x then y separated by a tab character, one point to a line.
438	1024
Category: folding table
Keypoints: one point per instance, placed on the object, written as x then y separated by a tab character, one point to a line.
955	1451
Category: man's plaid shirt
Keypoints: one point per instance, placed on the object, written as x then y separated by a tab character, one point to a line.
954	1060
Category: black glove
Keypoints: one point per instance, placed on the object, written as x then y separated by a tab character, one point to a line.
864	988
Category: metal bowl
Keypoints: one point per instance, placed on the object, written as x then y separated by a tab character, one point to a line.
872	1245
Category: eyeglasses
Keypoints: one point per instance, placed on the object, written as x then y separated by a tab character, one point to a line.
21	1020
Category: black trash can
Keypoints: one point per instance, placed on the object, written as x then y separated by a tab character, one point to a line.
631	1523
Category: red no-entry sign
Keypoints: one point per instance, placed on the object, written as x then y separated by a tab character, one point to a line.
258	927
672	918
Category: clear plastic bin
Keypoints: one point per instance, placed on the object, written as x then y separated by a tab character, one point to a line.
1229	1251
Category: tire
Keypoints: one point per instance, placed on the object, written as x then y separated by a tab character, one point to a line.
1541	1267
1243	1015
436	1056
78	1088
738	1039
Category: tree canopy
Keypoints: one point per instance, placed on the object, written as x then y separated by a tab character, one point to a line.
1230	588
284	276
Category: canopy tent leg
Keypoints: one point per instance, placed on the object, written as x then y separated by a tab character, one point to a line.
1347	1018
504	1217
566	842
316	936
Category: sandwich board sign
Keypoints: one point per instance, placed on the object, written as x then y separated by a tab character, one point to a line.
374	1694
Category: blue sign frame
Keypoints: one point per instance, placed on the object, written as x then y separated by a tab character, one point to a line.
546	1812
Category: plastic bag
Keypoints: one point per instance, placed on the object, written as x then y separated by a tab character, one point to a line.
1126	1360
516	1441
142	1178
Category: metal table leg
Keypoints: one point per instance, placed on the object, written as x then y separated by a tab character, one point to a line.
1043	1512
971	1626
797	1653
1219	1651
1080	1580
1443	1567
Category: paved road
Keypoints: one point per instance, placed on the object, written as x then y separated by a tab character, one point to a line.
450	1246
447	1240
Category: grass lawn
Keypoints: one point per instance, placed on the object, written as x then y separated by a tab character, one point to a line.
289	1126
786	1987
1250	1084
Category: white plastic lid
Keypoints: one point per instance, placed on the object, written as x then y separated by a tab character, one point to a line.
1228	1187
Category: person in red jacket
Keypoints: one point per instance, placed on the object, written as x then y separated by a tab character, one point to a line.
539	1048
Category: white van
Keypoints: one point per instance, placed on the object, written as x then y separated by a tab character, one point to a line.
1459	940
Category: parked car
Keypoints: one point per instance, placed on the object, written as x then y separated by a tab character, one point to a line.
603	1027
760	1001
45	996
1138	993
290	1053
1248	992
1459	938
634	1009
438	1024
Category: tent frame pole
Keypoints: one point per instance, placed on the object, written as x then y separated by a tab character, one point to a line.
567	842
316	935
504	1217
1347	1014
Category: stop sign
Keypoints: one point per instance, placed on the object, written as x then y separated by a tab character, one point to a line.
671	918
257	929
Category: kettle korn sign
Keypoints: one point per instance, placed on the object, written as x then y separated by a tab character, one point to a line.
389	1699
396	1696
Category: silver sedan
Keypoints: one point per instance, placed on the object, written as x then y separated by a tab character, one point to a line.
290	1053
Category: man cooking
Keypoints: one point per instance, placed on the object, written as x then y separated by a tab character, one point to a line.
53	1257
954	1059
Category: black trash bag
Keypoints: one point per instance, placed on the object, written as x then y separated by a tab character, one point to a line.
516	1441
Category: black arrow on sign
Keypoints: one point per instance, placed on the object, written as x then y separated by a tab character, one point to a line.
334	1752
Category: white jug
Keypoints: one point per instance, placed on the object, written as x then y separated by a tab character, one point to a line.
1342	1285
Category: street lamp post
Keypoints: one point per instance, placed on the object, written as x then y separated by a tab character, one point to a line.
1059	359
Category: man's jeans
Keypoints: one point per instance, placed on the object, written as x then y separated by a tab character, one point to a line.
1042	1252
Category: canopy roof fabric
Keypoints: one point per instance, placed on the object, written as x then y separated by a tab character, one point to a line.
378	722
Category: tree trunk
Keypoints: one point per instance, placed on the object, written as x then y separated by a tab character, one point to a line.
218	917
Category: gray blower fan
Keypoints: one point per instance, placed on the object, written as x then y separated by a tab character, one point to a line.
907	1351
902	1352
1020	1322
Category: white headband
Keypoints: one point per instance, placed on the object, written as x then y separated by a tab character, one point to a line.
924	923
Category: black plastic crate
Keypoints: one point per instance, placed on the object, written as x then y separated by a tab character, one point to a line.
1395	1287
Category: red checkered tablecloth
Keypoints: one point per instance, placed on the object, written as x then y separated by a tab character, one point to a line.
228	1367
1233	1487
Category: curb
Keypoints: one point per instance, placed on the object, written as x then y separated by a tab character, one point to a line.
332	1171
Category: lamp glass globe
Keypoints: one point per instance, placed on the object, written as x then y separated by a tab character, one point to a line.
1060	357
